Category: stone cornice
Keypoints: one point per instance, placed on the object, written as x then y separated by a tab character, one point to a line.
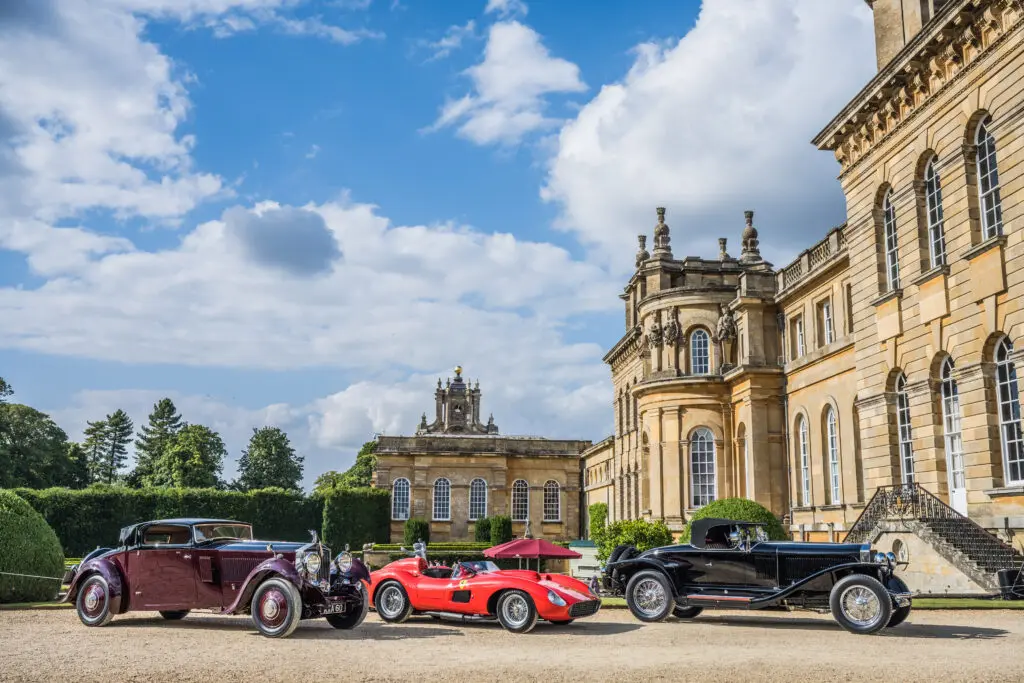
940	55
629	344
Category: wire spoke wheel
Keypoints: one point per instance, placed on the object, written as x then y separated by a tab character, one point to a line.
391	601
860	605
649	596
515	610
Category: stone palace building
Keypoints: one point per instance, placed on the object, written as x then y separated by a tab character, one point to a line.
885	354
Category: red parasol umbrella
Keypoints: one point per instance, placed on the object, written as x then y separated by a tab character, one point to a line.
530	548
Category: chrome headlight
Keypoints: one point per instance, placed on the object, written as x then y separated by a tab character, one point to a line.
312	562
880	558
892	558
865	552
344	562
555	599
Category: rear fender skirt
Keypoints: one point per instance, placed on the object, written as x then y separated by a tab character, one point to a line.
273	566
109	571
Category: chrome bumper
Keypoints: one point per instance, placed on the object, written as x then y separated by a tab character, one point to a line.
901	599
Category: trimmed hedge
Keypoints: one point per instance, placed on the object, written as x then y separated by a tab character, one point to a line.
416	530
355	517
637	532
482	530
449	558
87	518
740	510
598	519
27	546
501	529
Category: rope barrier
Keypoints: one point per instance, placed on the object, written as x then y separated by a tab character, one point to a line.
33	576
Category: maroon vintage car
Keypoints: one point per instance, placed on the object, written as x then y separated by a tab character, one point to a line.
173	566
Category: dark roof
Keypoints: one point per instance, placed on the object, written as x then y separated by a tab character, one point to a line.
699	528
192	520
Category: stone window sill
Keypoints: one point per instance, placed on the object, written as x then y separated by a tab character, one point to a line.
990	243
931	274
839	506
440	521
888	296
1014	490
808	508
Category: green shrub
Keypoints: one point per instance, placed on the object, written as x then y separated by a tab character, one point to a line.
637	532
355	517
598	520
27	546
740	510
416	530
501	529
482	530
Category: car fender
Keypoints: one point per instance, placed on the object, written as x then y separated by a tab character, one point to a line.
538	592
624	569
825	578
405	579
895	584
358	572
109	571
275	566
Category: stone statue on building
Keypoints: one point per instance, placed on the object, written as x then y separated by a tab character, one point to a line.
725	337
641	253
655	335
671	332
661	236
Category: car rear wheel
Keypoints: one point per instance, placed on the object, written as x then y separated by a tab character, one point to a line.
899	615
687	612
93	602
276	608
392	602
860	604
516	612
353	618
649	596
175	615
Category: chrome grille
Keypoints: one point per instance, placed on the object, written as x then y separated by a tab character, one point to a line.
584	609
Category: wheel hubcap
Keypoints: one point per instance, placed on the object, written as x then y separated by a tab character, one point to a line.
649	597
516	610
860	605
273	608
93	600
391	601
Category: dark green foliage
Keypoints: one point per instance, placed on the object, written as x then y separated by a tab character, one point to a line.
356	517
269	460
501	529
5	390
482	530
78	467
194	458
106	445
598	520
638	532
416	530
27	546
154	438
33	449
92	517
740	510
326	482
361	473
94	446
451	557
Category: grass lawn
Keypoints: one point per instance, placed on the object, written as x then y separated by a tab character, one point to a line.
919	603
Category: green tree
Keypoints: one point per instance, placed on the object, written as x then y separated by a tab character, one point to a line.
106	444
5	390
598	520
327	482
78	466
360	475
95	446
33	449
637	532
193	460
269	461
154	438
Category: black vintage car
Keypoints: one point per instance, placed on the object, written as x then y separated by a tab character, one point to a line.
733	565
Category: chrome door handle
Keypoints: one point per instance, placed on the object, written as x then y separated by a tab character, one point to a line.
187	557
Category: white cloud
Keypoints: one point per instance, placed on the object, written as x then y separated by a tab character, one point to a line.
451	40
511	86
313	151
715	124
505	8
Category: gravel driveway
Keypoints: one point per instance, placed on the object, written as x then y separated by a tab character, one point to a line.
51	645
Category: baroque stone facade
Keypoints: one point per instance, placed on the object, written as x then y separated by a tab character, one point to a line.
886	352
456	470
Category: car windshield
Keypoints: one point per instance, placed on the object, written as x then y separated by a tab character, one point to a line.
214	532
467	568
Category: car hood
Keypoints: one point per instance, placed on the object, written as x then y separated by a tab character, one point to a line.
792	547
257	546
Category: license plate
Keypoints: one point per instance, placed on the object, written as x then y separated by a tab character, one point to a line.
335	608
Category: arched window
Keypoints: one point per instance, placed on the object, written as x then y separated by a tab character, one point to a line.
903	427
400	499
702	467
442	500
805	461
951	427
699	363
933	206
477	499
892	252
552	502
832	445
1009	414
520	501
988	181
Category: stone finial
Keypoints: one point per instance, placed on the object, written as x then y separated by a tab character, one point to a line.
438	382
722	253
751	253
661	236
641	251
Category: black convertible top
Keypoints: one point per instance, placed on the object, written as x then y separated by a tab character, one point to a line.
699	528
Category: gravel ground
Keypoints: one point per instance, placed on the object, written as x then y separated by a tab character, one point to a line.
944	646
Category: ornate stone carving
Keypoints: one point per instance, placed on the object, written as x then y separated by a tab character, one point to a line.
641	253
671	332
661	235
726	330
751	253
655	335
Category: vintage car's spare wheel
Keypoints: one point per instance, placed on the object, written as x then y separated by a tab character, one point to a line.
649	596
392	602
354	617
175	615
516	611
687	612
93	602
860	604
276	608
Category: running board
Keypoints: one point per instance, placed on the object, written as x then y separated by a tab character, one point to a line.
717	598
461	617
726	601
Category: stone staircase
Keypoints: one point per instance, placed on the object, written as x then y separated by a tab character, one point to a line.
961	541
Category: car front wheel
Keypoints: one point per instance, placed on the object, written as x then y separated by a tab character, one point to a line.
649	596
276	608
516	612
175	615
93	602
392	602
860	604
353	618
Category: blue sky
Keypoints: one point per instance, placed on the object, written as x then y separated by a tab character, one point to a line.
302	213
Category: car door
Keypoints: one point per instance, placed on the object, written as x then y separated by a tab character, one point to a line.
432	594
162	571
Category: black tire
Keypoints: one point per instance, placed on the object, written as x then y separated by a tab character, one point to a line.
564	622
276	608
649	596
616	552
175	615
899	615
392	602
516	611
860	604
686	612
93	601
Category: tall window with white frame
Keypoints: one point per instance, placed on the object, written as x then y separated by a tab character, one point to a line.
933	208
988	181
442	500
400	499
552	501
700	363
702	467
832	443
477	499
951	426
827	329
799	337
1009	414
906	438
520	501
805	462
892	253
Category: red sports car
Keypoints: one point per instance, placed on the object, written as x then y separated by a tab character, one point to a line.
478	590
